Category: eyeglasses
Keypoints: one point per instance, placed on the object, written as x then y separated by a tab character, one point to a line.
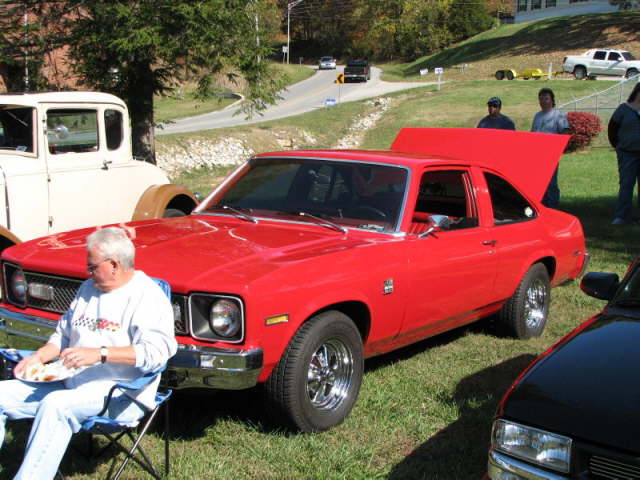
92	266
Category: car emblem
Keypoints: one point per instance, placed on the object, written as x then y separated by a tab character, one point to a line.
388	287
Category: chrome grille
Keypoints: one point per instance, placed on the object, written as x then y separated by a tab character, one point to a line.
603	467
65	289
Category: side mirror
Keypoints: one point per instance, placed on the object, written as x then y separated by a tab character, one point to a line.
600	285
440	222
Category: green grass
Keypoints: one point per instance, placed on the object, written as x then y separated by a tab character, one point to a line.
424	412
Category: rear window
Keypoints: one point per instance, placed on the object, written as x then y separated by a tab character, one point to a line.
628	56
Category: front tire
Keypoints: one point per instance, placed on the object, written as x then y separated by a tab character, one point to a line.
524	315
580	73
317	380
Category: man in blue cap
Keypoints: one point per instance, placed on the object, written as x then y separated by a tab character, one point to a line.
495	119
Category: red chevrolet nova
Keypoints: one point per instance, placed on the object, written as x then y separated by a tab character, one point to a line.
303	263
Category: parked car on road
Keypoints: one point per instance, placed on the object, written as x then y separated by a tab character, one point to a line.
601	62
66	162
327	63
303	263
574	412
357	71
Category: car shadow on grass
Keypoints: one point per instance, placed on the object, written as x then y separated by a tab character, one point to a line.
460	449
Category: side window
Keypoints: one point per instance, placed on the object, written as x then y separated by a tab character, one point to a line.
508	205
113	128
614	56
446	192
16	129
72	130
599	55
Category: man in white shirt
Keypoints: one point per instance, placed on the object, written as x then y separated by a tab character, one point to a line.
119	325
550	120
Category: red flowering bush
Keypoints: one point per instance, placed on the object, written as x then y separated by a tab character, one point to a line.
583	127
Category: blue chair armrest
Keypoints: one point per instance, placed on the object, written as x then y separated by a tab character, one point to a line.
14	355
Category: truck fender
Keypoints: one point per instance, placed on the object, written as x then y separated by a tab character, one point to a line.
164	200
7	239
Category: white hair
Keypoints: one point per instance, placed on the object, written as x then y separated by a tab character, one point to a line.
113	243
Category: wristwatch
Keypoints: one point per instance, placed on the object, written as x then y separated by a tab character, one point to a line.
104	351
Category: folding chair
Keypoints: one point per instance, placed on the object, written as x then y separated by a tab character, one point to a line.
115	430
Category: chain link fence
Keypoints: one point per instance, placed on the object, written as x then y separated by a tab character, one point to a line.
602	103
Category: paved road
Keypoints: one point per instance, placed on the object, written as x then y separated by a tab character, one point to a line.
299	98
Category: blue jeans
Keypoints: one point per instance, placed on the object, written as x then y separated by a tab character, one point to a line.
551	197
57	413
629	173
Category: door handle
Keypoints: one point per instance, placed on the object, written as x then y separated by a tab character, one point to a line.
106	163
490	242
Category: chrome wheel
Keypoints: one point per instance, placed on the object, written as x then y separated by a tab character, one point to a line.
535	306
329	375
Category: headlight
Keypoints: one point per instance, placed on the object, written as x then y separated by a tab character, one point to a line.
214	317
537	446
225	318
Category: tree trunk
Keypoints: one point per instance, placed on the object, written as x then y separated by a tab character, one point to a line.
139	98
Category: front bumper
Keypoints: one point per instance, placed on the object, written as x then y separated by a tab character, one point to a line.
193	366
504	467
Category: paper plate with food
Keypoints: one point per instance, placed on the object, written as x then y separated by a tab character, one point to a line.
47	372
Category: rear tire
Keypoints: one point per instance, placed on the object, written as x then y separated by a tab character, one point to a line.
317	380
499	75
580	73
632	72
524	315
510	75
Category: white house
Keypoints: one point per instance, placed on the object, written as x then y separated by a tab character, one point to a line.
526	10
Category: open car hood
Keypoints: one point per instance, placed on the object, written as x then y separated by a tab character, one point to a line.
527	159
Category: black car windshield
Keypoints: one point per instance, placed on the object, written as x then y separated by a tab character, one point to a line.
353	194
630	292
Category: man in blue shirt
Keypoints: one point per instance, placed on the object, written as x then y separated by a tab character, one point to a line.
495	119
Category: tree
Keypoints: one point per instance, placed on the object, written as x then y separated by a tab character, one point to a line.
22	45
139	48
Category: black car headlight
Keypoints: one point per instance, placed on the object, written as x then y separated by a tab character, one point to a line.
537	446
216	317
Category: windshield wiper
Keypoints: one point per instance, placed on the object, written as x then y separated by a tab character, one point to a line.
240	214
324	223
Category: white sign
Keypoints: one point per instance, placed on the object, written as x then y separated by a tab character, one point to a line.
438	70
330	102
424	71
285	49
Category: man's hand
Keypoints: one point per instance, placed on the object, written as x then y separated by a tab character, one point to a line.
26	363
75	357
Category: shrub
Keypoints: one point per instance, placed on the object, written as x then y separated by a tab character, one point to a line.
583	127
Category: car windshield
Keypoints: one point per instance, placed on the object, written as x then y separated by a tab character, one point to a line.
628	56
16	128
630	293
353	194
326	59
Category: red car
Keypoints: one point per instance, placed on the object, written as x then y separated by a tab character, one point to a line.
303	263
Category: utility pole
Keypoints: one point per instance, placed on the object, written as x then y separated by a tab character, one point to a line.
290	5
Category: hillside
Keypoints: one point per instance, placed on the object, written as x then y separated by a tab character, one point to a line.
529	45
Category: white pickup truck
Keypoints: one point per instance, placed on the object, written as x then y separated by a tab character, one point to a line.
601	62
66	163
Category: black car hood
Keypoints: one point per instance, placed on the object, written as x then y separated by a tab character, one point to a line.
588	388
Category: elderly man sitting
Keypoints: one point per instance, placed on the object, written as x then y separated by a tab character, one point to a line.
119	325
